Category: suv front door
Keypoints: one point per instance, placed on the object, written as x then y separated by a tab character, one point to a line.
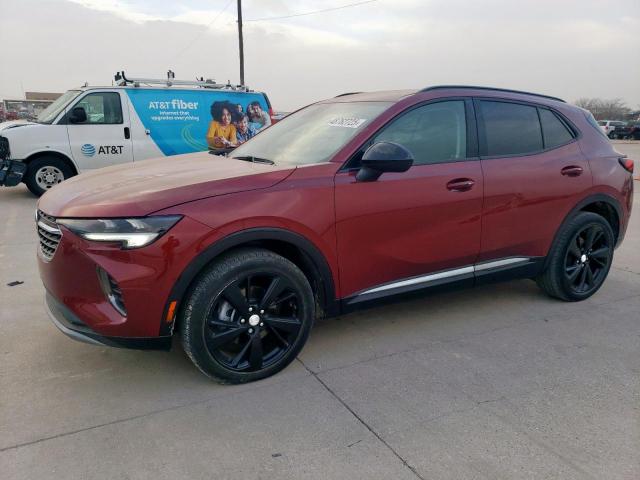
420	227
104	138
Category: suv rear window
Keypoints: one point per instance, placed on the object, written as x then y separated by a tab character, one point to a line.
554	130
510	128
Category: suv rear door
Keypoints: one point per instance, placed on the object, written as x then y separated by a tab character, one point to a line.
534	174
405	226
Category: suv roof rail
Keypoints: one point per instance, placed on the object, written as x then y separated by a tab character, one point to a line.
346	93
122	80
475	87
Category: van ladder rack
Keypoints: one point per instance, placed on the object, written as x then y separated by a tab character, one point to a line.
122	80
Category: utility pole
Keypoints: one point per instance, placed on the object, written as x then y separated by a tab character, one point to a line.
240	42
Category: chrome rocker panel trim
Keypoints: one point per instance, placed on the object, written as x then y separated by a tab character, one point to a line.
469	272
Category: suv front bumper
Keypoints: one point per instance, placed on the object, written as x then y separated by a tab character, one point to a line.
69	324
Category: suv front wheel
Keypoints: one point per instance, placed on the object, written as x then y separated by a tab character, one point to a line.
580	260
247	317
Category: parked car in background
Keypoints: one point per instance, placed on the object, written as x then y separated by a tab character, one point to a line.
349	201
94	127
620	132
608	126
634	130
630	131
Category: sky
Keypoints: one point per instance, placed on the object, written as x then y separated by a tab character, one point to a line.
565	48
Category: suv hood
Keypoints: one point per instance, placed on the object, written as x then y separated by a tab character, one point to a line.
140	188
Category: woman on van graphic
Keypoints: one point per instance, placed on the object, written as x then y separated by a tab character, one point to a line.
222	132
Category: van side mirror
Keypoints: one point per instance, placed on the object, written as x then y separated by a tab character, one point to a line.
78	115
383	157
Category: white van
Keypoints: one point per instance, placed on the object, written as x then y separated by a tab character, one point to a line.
94	127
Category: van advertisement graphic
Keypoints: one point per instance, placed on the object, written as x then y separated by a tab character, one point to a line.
184	121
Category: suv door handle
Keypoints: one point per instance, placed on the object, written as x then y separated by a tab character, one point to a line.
571	171
460	184
127	133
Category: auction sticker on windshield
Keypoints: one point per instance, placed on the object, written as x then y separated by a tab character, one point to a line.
347	122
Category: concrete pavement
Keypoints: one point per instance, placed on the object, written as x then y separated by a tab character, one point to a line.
493	382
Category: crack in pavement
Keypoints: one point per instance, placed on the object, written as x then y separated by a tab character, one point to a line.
447	341
361	421
625	270
142	415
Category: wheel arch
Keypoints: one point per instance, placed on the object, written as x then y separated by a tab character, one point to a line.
52	153
602	204
290	245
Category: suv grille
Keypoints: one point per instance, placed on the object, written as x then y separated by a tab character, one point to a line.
49	235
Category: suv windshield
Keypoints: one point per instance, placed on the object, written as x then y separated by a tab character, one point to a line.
311	135
50	113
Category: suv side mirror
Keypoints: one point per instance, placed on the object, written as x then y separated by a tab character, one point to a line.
78	115
383	157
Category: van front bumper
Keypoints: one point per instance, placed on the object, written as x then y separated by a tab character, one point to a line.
69	324
11	172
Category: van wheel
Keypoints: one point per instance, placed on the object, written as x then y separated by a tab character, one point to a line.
46	172
247	317
580	260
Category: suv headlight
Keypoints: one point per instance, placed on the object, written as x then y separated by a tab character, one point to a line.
129	232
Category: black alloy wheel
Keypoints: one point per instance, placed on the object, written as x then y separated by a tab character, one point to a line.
247	316
253	323
588	259
580	259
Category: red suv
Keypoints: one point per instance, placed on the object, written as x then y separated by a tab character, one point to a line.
348	201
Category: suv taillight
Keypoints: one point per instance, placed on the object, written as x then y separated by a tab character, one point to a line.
626	163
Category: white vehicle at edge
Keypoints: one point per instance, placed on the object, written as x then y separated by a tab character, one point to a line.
94	127
608	126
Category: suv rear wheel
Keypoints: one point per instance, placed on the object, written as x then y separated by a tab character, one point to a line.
247	317
580	260
46	172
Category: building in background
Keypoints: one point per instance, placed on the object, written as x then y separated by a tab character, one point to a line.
27	108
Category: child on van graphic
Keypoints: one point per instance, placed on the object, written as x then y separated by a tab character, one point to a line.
244	131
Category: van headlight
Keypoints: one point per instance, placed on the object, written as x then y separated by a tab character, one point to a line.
129	232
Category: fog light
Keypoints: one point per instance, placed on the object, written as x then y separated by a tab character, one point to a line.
112	291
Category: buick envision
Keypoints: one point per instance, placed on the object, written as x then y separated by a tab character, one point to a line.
344	203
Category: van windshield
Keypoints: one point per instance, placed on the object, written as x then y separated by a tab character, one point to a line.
49	114
311	135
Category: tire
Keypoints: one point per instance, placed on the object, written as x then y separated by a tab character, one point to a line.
247	316
45	173
580	259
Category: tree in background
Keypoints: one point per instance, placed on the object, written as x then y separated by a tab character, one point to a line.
602	109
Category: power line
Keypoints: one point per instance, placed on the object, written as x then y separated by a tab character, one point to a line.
310	13
197	37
